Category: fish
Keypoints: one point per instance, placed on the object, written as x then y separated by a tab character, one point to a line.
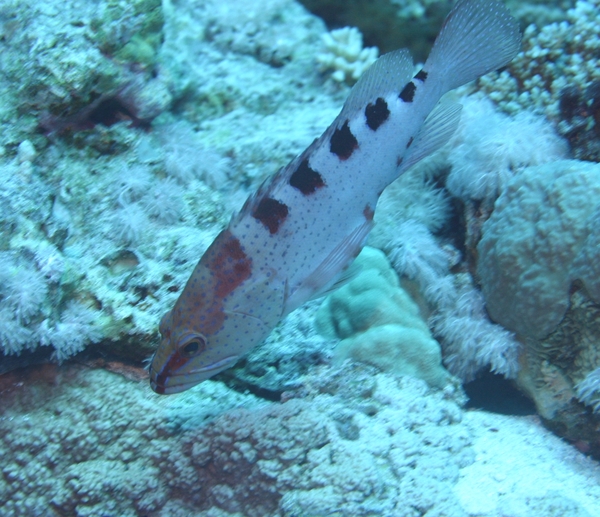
296	235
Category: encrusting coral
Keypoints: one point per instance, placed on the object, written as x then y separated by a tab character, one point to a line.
353	441
531	242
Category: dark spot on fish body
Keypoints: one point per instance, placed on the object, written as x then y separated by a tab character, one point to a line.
368	212
399	161
410	141
377	113
343	142
305	179
408	93
271	214
421	75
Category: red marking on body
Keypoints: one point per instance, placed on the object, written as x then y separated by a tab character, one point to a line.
368	212
175	362
160	387
228	262
223	267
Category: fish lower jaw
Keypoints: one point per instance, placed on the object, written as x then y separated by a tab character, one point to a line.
176	383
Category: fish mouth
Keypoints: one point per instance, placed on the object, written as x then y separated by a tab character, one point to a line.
178	382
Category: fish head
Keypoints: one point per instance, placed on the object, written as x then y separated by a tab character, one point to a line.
225	309
189	354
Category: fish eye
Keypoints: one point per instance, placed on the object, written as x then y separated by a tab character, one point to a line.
193	346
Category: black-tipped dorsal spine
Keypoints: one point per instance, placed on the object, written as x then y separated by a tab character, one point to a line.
305	179
408	93
271	213
343	142
377	113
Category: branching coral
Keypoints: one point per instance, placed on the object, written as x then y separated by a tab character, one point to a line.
345	54
559	55
557	60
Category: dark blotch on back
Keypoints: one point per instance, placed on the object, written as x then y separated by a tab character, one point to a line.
343	142
305	179
271	213
377	113
408	93
421	75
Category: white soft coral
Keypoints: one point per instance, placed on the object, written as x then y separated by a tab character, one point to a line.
490	147
470	341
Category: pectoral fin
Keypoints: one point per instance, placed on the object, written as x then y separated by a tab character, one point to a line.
327	274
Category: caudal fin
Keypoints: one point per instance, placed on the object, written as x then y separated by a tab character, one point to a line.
477	37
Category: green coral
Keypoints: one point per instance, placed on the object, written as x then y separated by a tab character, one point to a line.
380	324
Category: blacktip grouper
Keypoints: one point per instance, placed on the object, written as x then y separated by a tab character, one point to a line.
294	237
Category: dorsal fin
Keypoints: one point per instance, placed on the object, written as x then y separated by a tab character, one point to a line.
390	73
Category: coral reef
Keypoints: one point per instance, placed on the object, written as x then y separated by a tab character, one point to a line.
128	133
386	24
349	441
559	373
101	219
379	324
455	307
531	242
557	66
531	265
353	442
77	64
